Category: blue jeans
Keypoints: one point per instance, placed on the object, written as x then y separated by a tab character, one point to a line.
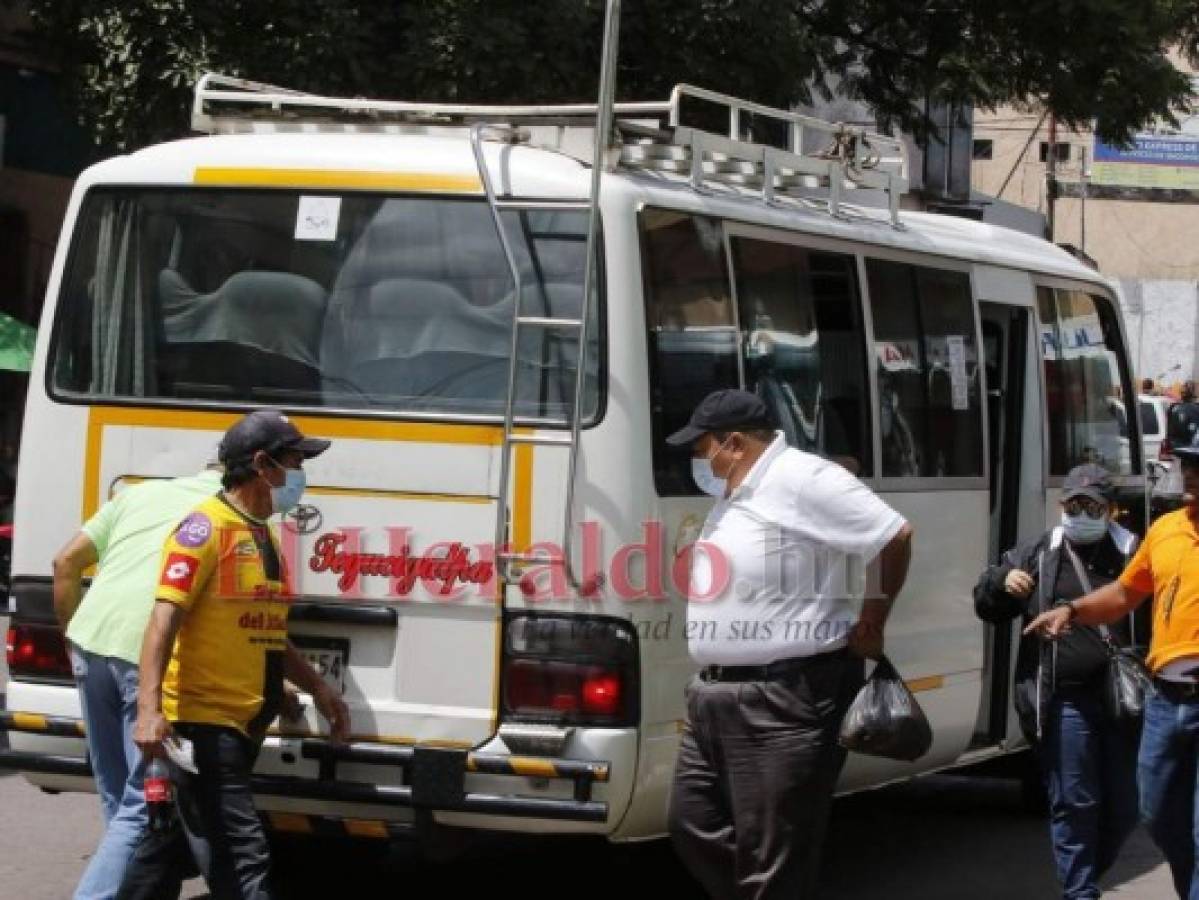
1090	774
1166	771
108	695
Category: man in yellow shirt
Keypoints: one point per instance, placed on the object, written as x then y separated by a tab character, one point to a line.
1167	568
222	605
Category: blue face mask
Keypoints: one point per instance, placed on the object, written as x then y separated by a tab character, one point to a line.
1082	529
707	480
285	497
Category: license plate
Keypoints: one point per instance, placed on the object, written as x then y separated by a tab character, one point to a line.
329	656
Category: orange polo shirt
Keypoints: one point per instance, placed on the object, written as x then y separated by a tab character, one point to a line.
1167	565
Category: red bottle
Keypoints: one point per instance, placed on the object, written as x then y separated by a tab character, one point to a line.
156	785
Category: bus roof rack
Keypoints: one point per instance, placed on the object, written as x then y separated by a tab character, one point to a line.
647	135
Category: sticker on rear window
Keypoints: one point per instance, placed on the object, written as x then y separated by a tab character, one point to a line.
316	219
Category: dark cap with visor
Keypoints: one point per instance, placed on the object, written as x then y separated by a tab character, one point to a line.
727	410
1088	480
270	431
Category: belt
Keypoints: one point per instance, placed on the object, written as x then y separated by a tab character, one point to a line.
780	668
1177	691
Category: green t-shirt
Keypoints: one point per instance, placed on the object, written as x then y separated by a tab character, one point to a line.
128	532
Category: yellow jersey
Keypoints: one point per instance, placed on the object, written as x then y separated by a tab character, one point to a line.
226	668
1167	564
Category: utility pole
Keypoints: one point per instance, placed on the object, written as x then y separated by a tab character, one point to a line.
1051	175
1084	179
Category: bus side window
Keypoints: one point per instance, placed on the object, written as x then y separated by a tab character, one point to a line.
1086	382
804	346
930	413
692	330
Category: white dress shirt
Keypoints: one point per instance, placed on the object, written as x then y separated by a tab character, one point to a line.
780	562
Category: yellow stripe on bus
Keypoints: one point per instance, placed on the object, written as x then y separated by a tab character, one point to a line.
100	417
365	828
293	822
30	721
534	768
928	683
353	179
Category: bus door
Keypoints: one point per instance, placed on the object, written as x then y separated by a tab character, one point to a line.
1005	332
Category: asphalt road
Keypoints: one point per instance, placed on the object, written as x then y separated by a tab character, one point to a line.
939	838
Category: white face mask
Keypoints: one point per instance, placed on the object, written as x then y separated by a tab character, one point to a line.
1082	529
705	478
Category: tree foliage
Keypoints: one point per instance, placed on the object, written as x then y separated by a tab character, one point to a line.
131	64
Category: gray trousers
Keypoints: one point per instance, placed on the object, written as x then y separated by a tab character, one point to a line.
755	776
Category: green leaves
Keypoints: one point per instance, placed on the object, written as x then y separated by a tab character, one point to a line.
131	64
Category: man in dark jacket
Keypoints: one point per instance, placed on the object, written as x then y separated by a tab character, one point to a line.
1089	763
1182	418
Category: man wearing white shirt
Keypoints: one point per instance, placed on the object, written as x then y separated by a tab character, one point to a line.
781	644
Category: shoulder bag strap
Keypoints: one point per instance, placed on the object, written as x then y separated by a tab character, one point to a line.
1081	571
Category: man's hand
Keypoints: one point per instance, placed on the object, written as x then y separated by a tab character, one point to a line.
335	711
292	707
149	732
866	639
1052	623
1018	583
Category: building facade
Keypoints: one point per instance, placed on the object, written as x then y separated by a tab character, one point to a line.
1134	211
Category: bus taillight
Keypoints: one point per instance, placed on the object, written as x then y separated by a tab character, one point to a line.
570	671
602	694
38	651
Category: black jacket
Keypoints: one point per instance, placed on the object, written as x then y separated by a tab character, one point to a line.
1042	559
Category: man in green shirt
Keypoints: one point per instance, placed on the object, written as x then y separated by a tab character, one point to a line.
104	631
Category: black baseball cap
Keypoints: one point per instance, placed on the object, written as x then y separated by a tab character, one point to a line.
267	430
1088	480
728	410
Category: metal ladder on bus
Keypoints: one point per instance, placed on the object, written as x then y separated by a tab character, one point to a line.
504	553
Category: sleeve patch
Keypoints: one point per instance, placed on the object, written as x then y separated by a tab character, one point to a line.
179	571
194	531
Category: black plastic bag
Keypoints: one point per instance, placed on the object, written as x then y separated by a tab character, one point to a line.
885	719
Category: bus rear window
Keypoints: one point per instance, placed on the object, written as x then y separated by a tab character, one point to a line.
361	301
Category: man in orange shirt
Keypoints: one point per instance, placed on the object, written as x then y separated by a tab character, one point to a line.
1167	568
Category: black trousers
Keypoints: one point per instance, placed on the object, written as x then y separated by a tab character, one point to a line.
755	776
217	826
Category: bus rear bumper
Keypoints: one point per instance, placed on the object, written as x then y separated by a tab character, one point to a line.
397	786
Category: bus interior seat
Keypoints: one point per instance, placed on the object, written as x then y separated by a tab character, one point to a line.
421	342
258	333
686	307
413	338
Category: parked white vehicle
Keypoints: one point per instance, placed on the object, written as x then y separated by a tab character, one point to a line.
1152	411
1153	424
340	259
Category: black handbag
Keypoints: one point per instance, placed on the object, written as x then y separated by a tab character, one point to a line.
1126	682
